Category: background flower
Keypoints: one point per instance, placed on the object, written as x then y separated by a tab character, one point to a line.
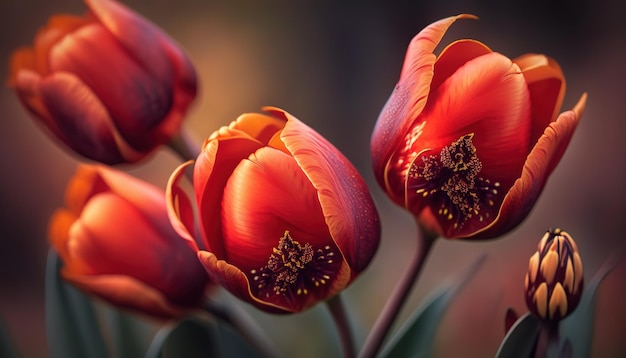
110	85
115	242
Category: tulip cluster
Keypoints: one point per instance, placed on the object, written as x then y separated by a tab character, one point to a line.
276	214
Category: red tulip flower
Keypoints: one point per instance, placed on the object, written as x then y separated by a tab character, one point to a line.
110	85
286	220
468	138
116	242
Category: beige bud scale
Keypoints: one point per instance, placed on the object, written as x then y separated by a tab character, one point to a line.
554	281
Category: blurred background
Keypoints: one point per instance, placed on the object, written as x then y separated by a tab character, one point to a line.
333	64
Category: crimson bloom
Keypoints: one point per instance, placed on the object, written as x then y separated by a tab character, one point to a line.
110	85
115	241
468	138
286	220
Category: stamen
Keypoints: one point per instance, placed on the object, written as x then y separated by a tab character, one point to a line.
453	175
293	269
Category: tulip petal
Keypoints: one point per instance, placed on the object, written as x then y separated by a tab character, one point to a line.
124	291
454	56
266	195
410	94
234	280
345	200
28	86
179	208
139	36
58	229
487	87
134	247
212	170
539	165
546	85
136	101
82	120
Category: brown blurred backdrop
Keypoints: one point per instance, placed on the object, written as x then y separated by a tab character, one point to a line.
333	65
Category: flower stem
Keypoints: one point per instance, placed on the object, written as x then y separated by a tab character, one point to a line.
244	324
337	310
184	146
548	344
390	312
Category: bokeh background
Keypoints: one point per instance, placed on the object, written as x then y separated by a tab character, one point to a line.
333	64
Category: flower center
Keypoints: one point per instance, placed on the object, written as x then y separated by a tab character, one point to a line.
452	179
294	269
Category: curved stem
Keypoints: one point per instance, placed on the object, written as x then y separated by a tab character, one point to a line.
389	313
244	324
338	312
184	146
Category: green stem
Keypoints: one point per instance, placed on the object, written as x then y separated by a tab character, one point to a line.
184	146
337	310
390	312
548	344
244	324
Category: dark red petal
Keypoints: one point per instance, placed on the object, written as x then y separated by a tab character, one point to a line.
82	120
409	97
266	195
539	165
141	38
347	205
136	100
234	280
213	167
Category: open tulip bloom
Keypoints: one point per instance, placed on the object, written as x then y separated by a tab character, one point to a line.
286	221
275	214
468	138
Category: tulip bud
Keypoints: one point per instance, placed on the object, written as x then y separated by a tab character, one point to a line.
554	281
110	85
115	242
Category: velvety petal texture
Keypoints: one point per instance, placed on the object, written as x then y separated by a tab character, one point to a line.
116	242
285	218
113	116
468	138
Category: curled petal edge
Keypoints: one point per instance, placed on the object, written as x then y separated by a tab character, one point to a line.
235	281
179	207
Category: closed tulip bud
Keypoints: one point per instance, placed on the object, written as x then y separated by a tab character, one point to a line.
110	85
115	242
554	281
286	220
468	137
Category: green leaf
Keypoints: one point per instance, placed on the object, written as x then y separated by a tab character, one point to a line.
579	326
521	339
232	344
72	329
415	338
189	338
130	334
7	348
